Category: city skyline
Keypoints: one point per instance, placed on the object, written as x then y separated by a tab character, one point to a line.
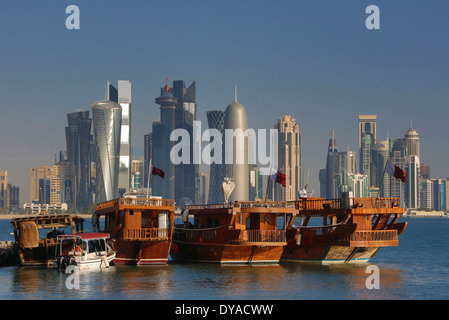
316	62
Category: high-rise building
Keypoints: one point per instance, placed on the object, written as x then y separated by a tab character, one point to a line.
78	134
412	185
4	190
44	190
215	120
289	158
14	193
185	114
439	194
367	137
397	156
338	165
107	117
62	184
37	173
236	151
425	171
122	95
425	194
412	143
379	157
162	146
358	184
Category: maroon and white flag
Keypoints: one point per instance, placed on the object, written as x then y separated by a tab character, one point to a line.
396	172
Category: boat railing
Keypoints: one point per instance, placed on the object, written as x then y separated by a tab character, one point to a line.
318	204
263	236
308	204
191	234
147	202
374	237
245	204
211	206
145	233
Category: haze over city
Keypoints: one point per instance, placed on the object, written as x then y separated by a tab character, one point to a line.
317	62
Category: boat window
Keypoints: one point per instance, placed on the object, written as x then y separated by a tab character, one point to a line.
95	246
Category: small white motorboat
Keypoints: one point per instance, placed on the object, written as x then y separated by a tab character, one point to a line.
84	250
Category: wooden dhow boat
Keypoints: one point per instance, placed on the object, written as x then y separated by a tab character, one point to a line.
243	232
34	250
141	228
351	230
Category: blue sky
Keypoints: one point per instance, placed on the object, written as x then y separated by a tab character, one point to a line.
313	59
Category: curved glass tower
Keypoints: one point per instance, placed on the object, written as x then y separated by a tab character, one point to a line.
215	119
107	118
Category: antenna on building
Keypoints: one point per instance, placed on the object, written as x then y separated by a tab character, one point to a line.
235	93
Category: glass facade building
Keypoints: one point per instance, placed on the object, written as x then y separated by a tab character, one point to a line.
107	117
162	146
215	120
78	134
185	113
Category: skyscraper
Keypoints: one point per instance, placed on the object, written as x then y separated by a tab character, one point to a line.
122	96
162	146
185	114
380	154
367	137
107	117
412	184
37	173
236	151
215	120
412	143
62	183
338	166
289	158
78	154
4	190
397	156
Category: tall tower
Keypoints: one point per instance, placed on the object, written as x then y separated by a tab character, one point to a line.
185	114
367	137
215	119
397	156
289	157
107	118
412	184
122	95
237	167
161	144
380	154
36	174
78	154
412	143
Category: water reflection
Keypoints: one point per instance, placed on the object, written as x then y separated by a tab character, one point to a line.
286	281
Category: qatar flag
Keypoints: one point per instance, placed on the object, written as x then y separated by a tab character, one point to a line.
158	172
279	176
396	172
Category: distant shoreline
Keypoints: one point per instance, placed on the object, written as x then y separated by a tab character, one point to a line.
7	216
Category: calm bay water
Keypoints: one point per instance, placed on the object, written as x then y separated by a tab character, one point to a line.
417	269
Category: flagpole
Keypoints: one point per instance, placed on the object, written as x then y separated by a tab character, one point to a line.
149	174
268	184
382	182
